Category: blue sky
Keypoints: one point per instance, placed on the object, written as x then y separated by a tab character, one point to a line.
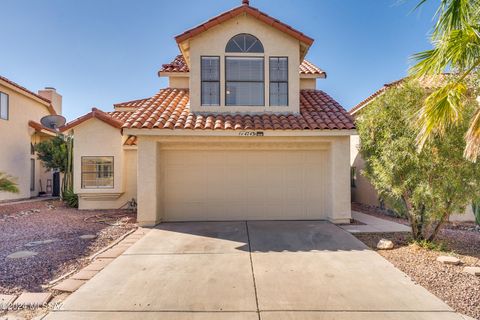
97	53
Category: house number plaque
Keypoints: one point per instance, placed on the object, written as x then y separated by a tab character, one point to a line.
251	133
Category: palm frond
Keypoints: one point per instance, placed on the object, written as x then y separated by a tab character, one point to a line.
441	110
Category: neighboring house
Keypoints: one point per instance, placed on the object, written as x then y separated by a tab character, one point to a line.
241	133
20	114
362	190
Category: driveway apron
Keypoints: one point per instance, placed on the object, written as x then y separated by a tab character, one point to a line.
251	270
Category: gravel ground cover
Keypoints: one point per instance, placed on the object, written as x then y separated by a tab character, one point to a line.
52	231
459	290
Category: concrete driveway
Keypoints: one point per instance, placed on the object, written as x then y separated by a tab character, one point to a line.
251	270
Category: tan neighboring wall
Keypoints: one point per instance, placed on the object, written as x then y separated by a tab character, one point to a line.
97	138
365	193
276	43
15	152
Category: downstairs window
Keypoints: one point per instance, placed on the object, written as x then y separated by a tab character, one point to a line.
97	172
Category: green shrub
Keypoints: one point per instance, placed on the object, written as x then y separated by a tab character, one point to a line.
70	198
8	184
431	245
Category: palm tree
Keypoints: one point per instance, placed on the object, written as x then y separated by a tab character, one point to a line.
7	184
456	47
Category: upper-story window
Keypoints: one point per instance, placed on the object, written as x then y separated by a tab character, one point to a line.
3	106
210	81
244	43
278	81
244	75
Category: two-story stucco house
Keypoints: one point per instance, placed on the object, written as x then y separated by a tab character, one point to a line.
20	114
241	133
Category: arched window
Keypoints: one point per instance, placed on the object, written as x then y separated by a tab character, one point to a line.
243	43
244	75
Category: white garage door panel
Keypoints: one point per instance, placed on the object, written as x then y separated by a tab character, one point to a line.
241	185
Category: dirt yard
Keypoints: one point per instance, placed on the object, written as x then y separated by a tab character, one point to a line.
459	290
51	233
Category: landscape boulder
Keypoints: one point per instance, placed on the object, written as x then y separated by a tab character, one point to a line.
385	244
449	260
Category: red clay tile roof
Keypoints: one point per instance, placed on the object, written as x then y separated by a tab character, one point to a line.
121	116
131	104
309	68
16	85
179	65
370	98
245	8
427	82
100	115
169	109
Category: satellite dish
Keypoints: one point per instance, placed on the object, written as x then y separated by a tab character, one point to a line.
53	122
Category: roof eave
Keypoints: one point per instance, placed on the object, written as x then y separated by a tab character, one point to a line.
97	114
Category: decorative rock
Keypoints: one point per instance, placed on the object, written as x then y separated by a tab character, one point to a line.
385	244
88	237
472	270
40	242
32	300
22	254
449	260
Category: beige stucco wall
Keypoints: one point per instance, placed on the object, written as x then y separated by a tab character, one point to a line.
365	193
328	158
15	148
178	82
308	83
96	138
213	42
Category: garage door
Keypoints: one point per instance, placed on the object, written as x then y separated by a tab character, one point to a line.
243	185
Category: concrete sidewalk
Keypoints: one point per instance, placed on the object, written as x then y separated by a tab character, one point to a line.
251	270
373	225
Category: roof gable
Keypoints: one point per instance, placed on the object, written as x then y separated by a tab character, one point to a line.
115	119
254	12
15	86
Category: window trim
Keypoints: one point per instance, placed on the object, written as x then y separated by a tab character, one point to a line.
270	81
97	188
263	80
219	82
246	52
8	107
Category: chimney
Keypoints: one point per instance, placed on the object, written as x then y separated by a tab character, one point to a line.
246	2
52	95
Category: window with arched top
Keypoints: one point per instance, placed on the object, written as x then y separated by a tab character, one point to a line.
244	43
244	74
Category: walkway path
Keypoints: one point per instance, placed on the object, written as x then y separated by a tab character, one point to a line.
374	225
